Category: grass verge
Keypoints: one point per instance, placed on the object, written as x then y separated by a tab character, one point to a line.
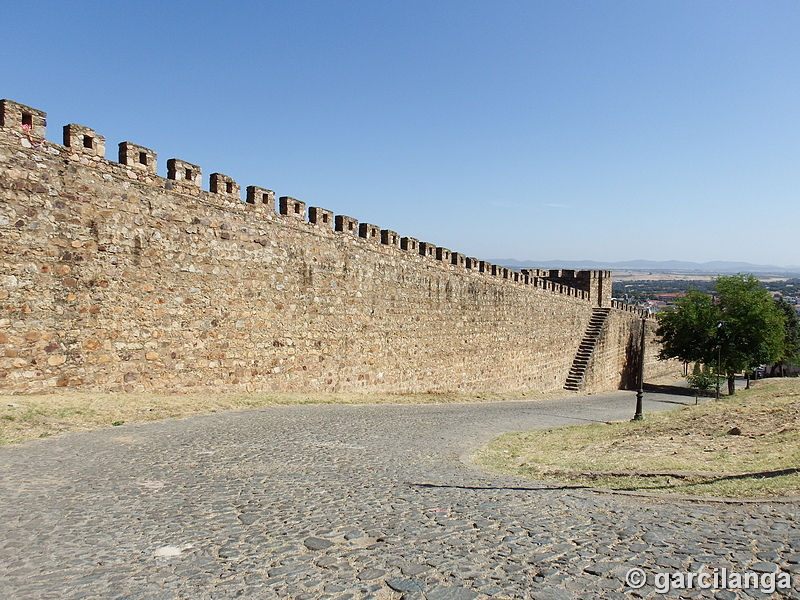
23	418
747	445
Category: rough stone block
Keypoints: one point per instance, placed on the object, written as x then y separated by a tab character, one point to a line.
458	259
346	224
222	184
84	140
137	157
390	238
23	118
180	170
261	198
486	267
292	207
320	216
473	263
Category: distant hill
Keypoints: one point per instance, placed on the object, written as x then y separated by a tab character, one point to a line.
718	266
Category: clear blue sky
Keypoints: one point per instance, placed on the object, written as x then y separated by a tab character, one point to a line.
605	130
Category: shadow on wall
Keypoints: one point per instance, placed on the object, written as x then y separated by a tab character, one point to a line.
630	371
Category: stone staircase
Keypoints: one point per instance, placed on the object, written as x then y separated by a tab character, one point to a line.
578	370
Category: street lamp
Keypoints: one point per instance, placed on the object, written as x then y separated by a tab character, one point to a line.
640	391
719	353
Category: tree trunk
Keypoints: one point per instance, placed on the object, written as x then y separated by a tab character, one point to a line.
731	385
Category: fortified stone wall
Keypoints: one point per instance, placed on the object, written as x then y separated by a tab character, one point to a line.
113	278
615	364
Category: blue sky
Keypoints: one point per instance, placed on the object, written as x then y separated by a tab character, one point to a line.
572	130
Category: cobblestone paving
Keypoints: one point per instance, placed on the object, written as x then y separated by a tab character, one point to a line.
352	502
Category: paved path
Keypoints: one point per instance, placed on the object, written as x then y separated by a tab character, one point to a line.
351	502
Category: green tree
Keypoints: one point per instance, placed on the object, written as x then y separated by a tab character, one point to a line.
701	380
739	329
753	330
688	331
791	341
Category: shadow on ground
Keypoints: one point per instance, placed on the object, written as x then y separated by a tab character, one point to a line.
676	390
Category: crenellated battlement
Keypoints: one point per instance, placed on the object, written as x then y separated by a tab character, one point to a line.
261	198
224	185
641	312
345	224
390	238
84	140
29	122
291	207
29	125
320	216
118	278
138	157
443	255
370	232
184	172
427	249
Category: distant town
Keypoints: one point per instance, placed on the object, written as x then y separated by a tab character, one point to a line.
656	291
655	285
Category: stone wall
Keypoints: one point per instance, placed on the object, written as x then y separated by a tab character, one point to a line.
113	278
616	359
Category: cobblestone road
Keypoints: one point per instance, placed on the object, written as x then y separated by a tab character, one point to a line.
352	502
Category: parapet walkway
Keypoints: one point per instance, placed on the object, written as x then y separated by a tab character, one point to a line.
355	502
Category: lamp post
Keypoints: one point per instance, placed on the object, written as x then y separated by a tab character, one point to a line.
719	353
638	416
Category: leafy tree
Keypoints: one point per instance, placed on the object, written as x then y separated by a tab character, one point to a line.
754	329
740	329
701	380
688	332
791	345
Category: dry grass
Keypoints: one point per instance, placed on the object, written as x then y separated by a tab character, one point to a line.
24	418
694	450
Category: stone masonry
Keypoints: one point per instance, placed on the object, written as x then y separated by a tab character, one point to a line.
114	278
